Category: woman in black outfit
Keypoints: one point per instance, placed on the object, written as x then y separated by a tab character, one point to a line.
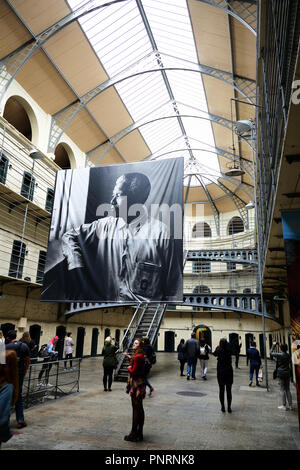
181	356
224	372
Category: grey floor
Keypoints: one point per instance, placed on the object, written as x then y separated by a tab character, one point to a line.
175	418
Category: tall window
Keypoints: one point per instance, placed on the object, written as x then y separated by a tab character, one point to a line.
3	168
201	266
17	259
201	229
49	200
41	267
236	225
28	183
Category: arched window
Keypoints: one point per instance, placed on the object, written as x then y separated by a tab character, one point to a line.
236	225
62	157
201	229
15	114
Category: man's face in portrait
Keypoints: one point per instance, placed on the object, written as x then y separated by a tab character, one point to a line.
119	199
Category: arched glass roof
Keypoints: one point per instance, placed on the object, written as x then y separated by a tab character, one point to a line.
169	103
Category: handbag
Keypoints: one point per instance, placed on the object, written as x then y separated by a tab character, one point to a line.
260	375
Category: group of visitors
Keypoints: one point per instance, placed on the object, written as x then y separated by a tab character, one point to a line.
190	351
14	362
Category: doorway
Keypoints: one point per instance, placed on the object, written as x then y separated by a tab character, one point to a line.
95	335
61	333
248	340
35	334
234	342
6	327
203	332
80	341
169	341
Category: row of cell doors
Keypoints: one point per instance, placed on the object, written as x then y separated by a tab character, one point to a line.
61	332
203	332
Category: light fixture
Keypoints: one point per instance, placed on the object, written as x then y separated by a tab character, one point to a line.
280	298
244	126
235	170
250	205
35	154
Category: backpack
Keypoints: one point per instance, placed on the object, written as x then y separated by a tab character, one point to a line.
153	358
43	352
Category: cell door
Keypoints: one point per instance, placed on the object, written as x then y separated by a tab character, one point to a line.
35	334
169	341
94	347
80	341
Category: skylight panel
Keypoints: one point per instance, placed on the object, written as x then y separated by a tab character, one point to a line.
123	39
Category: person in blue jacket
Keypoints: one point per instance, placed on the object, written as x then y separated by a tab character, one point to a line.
255	362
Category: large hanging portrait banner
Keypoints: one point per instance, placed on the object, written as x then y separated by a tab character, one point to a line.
116	234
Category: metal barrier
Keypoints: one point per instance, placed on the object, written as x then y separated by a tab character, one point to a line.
50	380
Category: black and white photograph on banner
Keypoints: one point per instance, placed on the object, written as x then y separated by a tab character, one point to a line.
116	234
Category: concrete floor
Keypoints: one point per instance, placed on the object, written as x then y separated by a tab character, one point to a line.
93	419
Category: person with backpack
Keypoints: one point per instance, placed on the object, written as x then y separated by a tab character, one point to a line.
150	359
204	351
49	354
255	363
284	374
23	354
136	388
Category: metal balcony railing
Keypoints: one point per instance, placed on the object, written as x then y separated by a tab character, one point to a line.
280	23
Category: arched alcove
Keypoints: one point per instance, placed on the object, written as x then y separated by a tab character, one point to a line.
21	115
200	230
236	225
64	156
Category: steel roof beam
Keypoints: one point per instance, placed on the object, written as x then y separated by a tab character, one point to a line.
246	15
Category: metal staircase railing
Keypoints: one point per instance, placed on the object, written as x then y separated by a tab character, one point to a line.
145	322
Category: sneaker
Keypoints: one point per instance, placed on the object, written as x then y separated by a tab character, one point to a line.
152	390
193	378
188	377
21	424
49	385
289	408
250	384
65	370
282	407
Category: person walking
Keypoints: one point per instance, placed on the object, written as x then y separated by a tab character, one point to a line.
109	362
149	354
8	392
284	374
191	349
69	350
255	363
204	351
136	387
181	356
47	366
236	347
23	354
224	373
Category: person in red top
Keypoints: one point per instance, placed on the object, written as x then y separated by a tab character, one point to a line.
136	387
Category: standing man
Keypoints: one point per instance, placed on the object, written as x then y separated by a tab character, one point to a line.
255	362
191	349
23	354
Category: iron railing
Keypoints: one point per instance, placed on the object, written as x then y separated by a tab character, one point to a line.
55	382
280	23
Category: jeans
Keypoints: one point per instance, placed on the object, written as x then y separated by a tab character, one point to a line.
284	383
191	366
19	408
203	364
254	366
69	356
